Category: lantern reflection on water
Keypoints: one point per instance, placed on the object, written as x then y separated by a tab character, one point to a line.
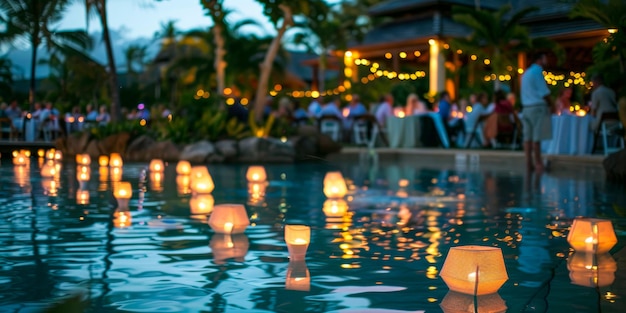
298	276
227	246
201	205
455	302
591	270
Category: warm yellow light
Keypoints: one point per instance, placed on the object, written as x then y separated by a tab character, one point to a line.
431	42
58	155
335	208
41	153
402	55
115	160
83	159
199	93
116	174
473	57
202	185
256	174
48	169
612	30
122	190
348	54
229	219
226	246
183	167
227	91
417	53
298	276
230	101
486	61
315	94
335	185
82	197
591	270
20	159
297	238
592	235
50	154
156	179
143	122
455	302
474	270
156	165
83	176
183	184
103	160
122	218
388	55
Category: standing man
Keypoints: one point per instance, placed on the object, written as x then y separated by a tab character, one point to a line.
536	104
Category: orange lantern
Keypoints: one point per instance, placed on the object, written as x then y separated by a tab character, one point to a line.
201	204
592	235
156	165
591	269
115	160
297	238
116	174
83	159
50	154
474	270
49	169
335	185
103	160
19	159
256	174
229	219
183	167
202	185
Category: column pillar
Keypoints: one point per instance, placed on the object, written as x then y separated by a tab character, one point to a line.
436	68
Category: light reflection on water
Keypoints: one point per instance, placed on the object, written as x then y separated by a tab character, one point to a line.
384	254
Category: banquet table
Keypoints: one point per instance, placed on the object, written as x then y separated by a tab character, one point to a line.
571	135
406	132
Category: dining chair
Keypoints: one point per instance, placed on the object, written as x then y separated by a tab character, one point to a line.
609	127
6	127
331	126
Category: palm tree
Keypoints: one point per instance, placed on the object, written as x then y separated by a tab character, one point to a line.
135	55
218	15
612	15
100	7
6	77
280	11
32	21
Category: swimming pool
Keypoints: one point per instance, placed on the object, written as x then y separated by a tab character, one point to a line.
384	255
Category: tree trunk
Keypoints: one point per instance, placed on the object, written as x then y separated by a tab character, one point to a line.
220	64
322	72
33	80
113	82
266	66
496	69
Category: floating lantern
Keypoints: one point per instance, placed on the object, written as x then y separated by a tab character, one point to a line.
229	219
256	174
50	154
202	184
58	155
183	184
122	218
49	169
115	160
592	235
19	159
225	246
41	153
201	204
83	159
474	270
297	238
82	196
591	270
103	160
455	302
335	185
25	152
156	165
335	207
183	168
122	191
298	276
199	171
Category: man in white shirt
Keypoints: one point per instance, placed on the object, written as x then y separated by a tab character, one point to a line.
536	103
602	100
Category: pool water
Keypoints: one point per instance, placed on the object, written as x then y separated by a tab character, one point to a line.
383	255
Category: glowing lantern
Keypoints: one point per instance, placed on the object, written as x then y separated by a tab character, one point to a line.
50	154
592	235
183	168
335	185
297	238
455	302
201	204
48	169
82	196
25	152
83	159
474	270
335	207
122	191
58	155
229	219
156	165
41	153
83	176
591	270
256	174
116	174
298	276
225	246
19	159
103	160
199	171
122	218
202	185
115	160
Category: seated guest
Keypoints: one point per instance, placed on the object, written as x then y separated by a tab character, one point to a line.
384	110
332	108
602	100
479	110
13	111
355	107
504	110
91	113
414	106
103	117
455	127
314	109
563	102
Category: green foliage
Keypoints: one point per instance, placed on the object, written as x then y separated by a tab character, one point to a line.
134	128
178	130
236	129
212	124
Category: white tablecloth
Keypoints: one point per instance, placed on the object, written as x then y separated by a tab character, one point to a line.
406	132
570	135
